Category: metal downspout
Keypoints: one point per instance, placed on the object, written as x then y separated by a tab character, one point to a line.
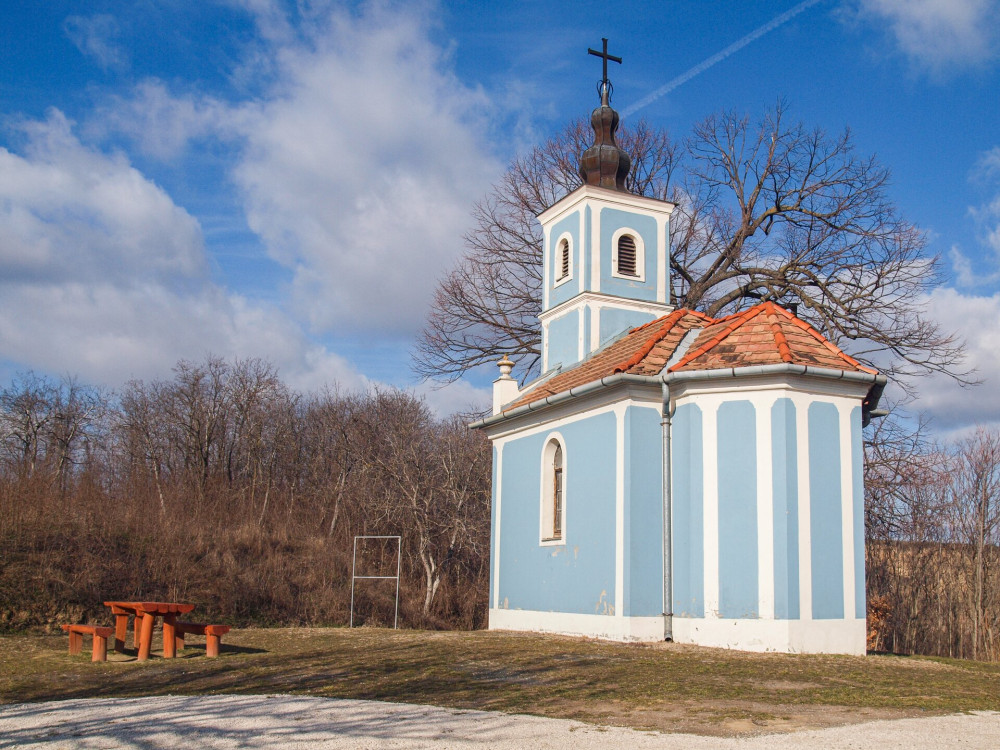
668	539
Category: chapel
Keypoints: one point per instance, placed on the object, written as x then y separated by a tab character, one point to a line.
672	476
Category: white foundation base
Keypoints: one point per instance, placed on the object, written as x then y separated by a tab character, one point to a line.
787	636
607	627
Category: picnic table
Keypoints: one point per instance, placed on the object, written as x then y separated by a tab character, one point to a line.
145	614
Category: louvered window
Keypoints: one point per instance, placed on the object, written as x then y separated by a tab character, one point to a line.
626	255
563	260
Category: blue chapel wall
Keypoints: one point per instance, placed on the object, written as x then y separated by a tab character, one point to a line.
614	321
643	512
577	576
558	294
858	490
687	475
613	219
825	516
563	340
738	581
784	470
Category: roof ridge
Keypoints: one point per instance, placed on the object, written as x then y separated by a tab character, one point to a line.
647	347
744	317
779	335
799	323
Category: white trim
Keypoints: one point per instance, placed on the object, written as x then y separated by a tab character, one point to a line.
662	260
640	254
595	250
546	268
545	498
588	193
765	511
607	300
496	552
805	510
847	510
789	636
710	509
635	629
557	261
600	401
620	410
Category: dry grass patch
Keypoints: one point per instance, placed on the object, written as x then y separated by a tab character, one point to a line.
664	686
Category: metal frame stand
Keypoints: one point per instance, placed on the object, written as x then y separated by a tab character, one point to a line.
355	577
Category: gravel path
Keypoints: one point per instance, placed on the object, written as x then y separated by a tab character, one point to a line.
297	723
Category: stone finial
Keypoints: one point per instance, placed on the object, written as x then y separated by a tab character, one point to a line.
506	365
505	387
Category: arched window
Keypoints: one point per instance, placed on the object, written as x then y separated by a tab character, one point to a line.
553	520
563	260
626	255
557	493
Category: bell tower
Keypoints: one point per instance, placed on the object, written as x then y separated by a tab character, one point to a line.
606	250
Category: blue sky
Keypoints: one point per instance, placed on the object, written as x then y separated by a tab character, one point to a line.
288	180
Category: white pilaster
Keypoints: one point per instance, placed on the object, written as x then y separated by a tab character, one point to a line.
847	508
620	510
805	518
765	508
710	543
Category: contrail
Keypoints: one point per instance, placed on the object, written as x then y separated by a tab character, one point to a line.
718	57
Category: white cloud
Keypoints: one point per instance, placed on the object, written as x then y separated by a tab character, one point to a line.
103	275
976	319
97	37
360	169
938	35
357	165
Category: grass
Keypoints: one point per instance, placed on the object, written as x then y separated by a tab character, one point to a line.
663	686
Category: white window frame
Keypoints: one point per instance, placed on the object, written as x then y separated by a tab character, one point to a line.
640	255
557	260
546	494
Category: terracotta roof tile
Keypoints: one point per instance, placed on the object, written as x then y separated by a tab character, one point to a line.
763	335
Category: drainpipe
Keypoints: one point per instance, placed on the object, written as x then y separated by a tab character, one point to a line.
668	539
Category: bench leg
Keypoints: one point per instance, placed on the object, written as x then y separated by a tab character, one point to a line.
75	642
178	641
121	632
212	645
137	635
146	636
100	651
169	633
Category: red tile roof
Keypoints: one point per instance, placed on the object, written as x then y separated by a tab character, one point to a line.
763	335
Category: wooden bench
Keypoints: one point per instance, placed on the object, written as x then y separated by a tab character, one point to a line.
213	635
101	635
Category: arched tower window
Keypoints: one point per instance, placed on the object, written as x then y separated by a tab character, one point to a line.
553	520
626	255
563	260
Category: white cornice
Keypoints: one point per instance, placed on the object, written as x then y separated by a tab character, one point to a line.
652	206
606	300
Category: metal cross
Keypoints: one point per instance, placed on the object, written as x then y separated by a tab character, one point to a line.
605	56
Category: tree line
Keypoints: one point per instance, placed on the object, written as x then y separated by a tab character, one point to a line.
223	486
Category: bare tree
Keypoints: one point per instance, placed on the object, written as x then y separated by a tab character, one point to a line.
976	488
436	482
765	210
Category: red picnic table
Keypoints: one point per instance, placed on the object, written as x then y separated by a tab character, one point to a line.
145	614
